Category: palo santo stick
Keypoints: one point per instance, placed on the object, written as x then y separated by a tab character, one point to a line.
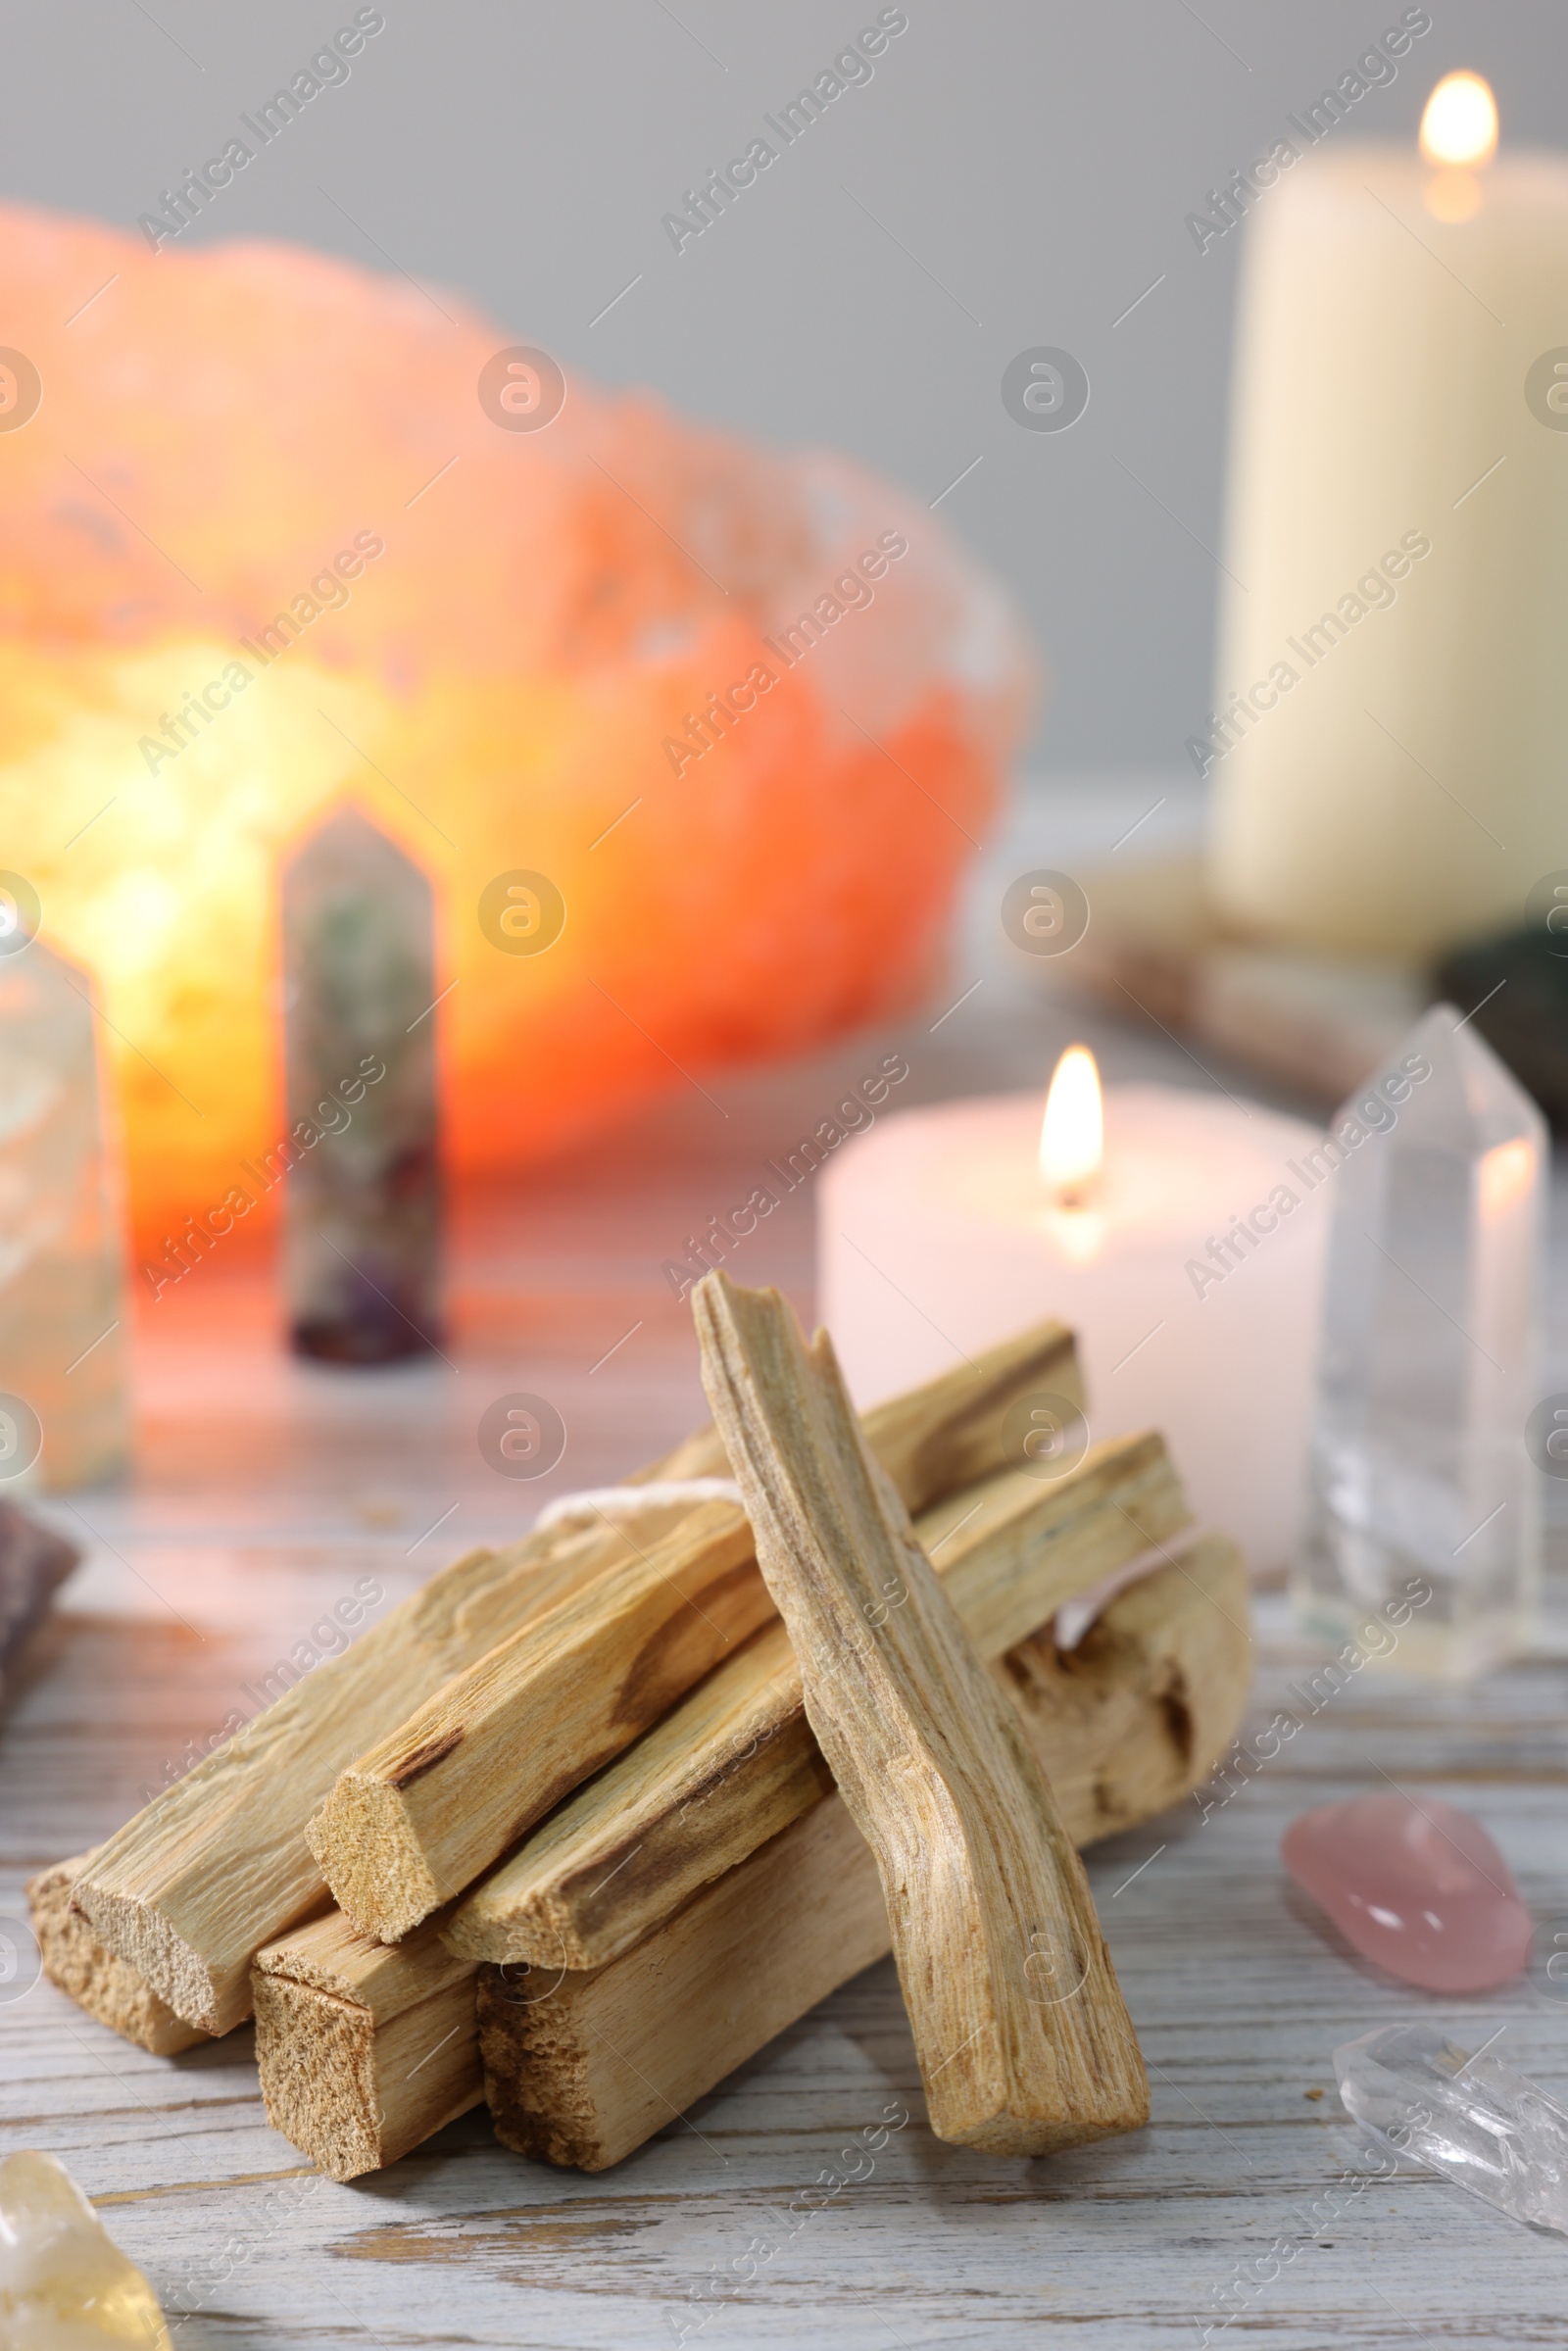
988	1903
418	1815
1140	1711
106	1988
736	1762
949	1433
218	1865
1125	1725
364	2049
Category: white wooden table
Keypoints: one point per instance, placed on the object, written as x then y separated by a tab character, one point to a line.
265	1488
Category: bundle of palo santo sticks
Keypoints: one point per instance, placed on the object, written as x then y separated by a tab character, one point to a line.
586	1821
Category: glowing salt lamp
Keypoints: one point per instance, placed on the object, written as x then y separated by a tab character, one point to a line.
267	540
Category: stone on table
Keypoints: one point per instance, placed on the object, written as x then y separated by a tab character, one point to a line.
1472	2118
34	1561
1418	1887
1418	1478
64	2284
362	1223
65	1408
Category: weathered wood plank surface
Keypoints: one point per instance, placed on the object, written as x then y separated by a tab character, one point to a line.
266	1489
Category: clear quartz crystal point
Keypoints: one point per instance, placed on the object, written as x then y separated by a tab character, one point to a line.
64	2286
1472	2118
1419	1480
62	1313
362	1203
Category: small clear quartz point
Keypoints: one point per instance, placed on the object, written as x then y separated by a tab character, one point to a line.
1472	2118
1423	1507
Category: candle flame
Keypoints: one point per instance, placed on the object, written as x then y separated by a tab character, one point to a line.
1461	123
1072	1138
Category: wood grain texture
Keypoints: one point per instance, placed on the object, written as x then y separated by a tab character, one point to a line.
420	1812
417	1815
949	1432
364	2049
743	2212
736	1762
1239	1995
1124	1724
1023	2036
581	2068
217	1864
108	1989
1147	1703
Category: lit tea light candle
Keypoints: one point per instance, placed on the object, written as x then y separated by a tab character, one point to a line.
1073	1133
1392	709
1180	1235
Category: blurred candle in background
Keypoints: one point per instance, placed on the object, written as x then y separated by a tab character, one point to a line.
1391	711
362	1228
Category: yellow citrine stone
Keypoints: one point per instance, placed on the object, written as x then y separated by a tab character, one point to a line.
64	2284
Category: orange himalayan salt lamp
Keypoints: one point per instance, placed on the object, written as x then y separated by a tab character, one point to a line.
267	542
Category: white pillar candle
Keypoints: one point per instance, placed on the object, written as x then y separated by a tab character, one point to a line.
1390	721
1190	1275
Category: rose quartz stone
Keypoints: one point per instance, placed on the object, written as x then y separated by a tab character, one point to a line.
1419	1887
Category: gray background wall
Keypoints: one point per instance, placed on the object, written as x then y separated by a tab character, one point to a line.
1016	173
